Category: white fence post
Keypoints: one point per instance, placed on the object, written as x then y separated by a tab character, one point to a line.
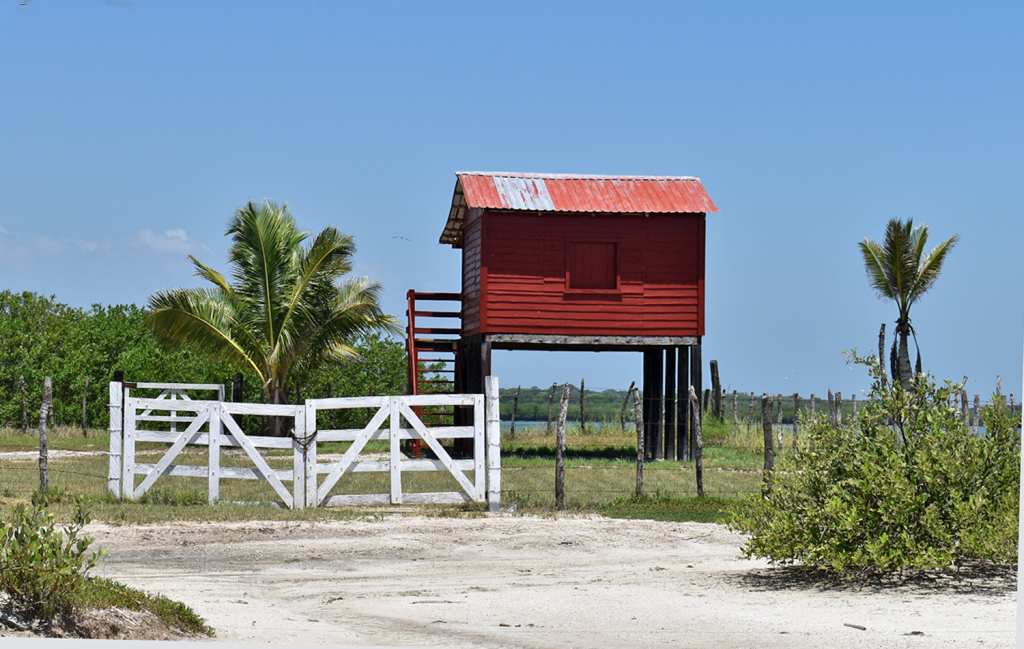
493	432
395	419
128	451
479	449
216	427
309	467
116	432
300	440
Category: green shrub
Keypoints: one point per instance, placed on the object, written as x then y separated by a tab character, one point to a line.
905	486
43	567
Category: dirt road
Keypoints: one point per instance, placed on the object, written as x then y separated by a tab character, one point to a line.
511	581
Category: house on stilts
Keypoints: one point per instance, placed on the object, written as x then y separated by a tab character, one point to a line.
572	262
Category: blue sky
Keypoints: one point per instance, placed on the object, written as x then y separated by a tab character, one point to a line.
129	131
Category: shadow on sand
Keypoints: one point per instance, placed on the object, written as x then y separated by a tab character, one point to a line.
973	580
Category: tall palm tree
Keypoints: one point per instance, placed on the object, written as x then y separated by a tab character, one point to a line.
288	309
900	270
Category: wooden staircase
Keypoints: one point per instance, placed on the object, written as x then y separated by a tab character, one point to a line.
432	344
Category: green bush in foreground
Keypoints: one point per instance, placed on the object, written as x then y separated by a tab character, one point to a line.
905	486
42	567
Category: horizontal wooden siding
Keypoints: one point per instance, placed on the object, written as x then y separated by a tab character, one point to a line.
660	269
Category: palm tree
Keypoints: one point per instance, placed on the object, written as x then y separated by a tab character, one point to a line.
900	270
288	309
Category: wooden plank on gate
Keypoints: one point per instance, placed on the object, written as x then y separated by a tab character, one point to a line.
439	451
395	461
346	459
171	453
479	452
269	474
213	458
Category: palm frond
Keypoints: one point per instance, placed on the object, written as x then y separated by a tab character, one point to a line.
931	266
210	275
199	317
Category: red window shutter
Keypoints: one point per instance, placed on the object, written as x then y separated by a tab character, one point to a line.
592	265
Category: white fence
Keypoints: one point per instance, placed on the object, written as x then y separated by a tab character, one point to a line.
314	482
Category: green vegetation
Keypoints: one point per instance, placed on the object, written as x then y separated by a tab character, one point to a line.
41	337
288	310
42	567
907	486
44	570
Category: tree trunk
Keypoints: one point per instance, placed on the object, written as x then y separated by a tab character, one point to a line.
278	425
903	359
881	352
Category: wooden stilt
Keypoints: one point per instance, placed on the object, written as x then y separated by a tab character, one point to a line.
670	403
683	405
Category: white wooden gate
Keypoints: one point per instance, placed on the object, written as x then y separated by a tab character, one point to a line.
210	424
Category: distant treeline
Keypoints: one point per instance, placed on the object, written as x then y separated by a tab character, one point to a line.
603	405
40	337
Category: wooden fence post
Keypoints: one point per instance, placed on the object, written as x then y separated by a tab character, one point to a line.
515	408
769	451
735	414
716	392
796	418
698	441
778	433
839	409
965	409
625	402
638	417
583	416
977	412
853	402
814	403
492	430
116	431
85	402
44	411
831	410
750	413
563	410
551	399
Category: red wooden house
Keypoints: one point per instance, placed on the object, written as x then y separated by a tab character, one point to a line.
569	262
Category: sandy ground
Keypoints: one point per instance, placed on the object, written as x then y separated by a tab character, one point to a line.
516	581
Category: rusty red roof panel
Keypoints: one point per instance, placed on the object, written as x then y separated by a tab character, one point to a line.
575	193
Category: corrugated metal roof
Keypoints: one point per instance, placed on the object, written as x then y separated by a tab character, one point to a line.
573	193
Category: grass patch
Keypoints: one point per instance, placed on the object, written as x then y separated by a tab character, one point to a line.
600	473
660	508
103	593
